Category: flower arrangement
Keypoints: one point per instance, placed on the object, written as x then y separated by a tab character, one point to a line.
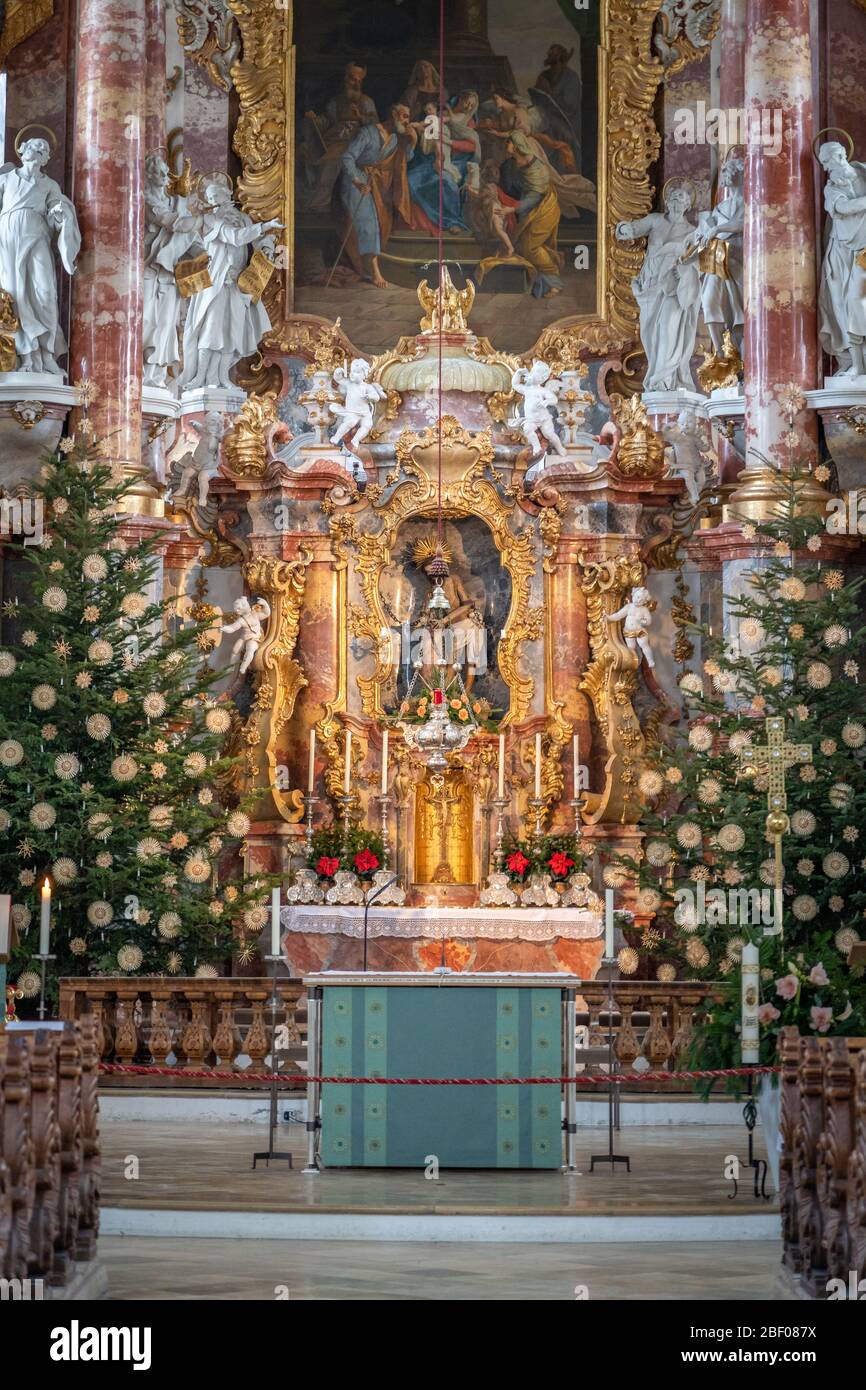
362	853
556	855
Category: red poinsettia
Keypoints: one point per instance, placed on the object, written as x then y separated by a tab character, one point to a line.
366	861
517	862
327	867
559	863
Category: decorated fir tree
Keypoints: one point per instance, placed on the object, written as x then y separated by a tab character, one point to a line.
794	649
109	753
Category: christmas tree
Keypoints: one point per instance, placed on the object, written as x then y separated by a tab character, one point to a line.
110	753
793	650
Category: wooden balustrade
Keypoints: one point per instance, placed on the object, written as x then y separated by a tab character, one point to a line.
207	1025
49	1151
651	1020
822	1169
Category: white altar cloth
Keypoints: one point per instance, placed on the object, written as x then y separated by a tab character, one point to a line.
446	923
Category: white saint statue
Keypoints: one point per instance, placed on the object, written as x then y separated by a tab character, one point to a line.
223	323
540	396
842	296
169	232
667	290
249	622
32	211
722	231
360	397
636	617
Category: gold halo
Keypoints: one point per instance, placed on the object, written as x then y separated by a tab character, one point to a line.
839	130
681	182
424	550
52	138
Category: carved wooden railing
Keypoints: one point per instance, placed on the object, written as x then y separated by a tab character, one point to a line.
49	1151
203	1024
651	1020
822	1168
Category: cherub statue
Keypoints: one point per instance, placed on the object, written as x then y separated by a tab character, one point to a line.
201	463
249	622
636	616
686	456
361	395
540	395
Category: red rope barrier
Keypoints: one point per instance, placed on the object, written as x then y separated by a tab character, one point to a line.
299	1078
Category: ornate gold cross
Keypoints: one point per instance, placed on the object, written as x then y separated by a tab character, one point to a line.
775	758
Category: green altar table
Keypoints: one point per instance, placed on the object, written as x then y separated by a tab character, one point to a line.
440	1024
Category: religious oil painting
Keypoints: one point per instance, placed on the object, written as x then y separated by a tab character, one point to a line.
466	641
508	173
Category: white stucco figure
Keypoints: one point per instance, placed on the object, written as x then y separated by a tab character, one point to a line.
249	622
198	466
842	296
667	290
32	212
169	232
223	324
540	395
359	400
722	293
686	454
636	616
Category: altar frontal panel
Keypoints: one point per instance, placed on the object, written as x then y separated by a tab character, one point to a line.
440	1032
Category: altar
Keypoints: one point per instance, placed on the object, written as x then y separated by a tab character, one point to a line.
417	1024
472	939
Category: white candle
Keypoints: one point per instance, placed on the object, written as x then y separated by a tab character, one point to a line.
384	762
501	767
751	994
538	767
575	744
608	923
347	766
311	770
45	919
275	921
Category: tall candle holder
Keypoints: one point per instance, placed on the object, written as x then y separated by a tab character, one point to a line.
345	800
309	803
576	804
43	962
537	805
384	802
501	803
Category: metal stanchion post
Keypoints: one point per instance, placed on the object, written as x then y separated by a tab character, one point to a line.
314	1061
570	1090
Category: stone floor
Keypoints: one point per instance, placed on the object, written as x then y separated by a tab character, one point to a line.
206	1166
146	1268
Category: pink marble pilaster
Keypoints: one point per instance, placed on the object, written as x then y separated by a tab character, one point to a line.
732	55
154	125
781	344
108	165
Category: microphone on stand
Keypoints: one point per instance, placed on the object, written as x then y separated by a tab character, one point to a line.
371	898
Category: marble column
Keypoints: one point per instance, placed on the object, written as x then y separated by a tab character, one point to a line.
154	122
108	173
781	339
732	60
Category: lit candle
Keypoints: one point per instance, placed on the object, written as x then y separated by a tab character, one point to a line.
384	762
347	766
575	743
311	771
45	919
275	921
751	993
538	767
501	767
608	923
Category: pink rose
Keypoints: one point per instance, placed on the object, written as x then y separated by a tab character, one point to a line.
818	975
820	1018
787	987
768	1013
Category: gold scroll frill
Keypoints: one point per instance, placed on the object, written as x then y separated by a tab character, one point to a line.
629	143
466	491
278	680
